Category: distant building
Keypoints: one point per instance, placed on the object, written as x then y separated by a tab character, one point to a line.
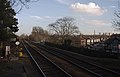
113	44
79	40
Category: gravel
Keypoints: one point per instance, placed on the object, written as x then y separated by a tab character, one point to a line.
18	67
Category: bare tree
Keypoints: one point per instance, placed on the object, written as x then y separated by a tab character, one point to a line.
38	33
116	20
38	30
64	28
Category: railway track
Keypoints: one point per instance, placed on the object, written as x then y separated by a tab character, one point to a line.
47	68
93	68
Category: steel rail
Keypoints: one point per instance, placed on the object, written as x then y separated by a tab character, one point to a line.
88	63
34	60
97	75
70	54
66	74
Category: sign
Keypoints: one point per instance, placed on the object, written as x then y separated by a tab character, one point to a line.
7	50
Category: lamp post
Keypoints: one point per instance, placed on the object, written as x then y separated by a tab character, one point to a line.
1	23
17	43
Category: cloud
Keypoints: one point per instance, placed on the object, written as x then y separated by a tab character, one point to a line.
96	22
62	2
44	17
37	17
90	8
112	0
113	6
47	17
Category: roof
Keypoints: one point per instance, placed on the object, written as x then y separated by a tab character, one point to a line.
112	38
115	35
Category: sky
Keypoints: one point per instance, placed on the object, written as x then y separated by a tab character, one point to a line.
89	15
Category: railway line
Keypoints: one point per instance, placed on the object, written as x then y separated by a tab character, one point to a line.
92	68
46	66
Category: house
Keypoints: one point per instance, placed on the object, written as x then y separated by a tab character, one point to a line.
113	44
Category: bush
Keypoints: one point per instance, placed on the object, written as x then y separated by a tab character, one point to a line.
84	51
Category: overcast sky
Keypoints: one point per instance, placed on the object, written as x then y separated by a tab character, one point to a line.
90	15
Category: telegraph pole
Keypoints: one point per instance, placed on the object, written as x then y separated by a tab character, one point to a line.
94	36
